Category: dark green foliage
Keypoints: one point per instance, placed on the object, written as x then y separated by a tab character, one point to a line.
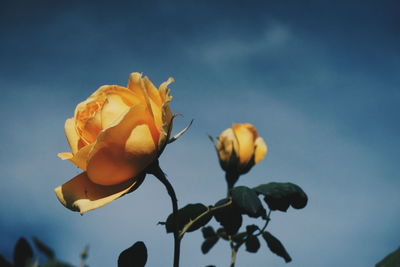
4	262
276	246
250	229
55	263
209	243
279	196
43	248
23	253
391	260
208	232
229	217
222	233
135	256
187	214
240	237
247	200
252	244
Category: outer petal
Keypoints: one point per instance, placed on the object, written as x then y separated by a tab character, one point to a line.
80	194
246	136
72	135
260	150
137	85
112	160
80	159
226	144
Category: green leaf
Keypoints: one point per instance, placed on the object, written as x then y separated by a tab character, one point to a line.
208	244
240	237
276	246
4	262
250	229
229	217
187	214
42	247
222	233
135	256
247	200
208	232
252	244
23	253
279	196
391	260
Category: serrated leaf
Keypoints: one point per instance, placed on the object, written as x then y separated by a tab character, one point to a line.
187	214
247	200
135	256
42	247
279	196
276	246
252	244
23	253
208	244
208	232
229	217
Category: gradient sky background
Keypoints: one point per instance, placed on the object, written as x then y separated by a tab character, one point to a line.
319	79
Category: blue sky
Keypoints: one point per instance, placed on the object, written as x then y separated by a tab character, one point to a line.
319	79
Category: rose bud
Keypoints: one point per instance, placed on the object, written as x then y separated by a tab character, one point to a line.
239	148
114	135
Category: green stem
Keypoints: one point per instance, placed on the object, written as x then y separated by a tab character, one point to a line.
231	179
209	209
160	175
233	254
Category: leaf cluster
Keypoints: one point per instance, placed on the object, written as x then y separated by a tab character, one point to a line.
229	212
24	256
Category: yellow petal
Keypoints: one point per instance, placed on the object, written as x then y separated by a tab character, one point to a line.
152	92
164	91
109	163
82	195
72	135
260	150
65	155
246	136
141	148
226	144
113	108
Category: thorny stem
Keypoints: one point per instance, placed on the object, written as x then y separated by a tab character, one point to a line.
160	175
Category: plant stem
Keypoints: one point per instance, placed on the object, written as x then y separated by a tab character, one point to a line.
231	179
160	175
233	254
209	209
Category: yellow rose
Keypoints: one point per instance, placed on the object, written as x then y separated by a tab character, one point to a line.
239	148
114	135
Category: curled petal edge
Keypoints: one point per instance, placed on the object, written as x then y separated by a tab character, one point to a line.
82	195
